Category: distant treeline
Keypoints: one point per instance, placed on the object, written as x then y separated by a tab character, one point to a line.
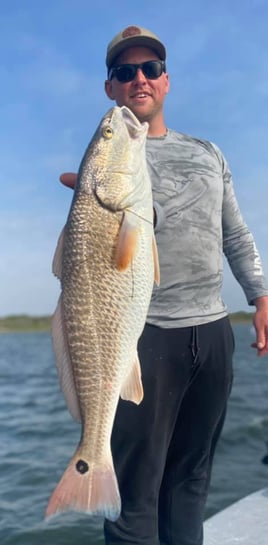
25	323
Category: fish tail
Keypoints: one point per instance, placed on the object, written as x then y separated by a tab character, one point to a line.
92	490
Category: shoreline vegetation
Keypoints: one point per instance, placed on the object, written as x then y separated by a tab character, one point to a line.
23	323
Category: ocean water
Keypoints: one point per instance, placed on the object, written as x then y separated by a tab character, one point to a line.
38	437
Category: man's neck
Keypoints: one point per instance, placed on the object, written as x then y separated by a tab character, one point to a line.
157	127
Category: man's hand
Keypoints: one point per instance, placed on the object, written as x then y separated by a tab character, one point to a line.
260	322
68	179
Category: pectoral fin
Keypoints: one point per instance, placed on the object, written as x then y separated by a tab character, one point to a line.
127	242
132	389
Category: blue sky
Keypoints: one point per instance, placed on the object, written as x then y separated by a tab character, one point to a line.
52	72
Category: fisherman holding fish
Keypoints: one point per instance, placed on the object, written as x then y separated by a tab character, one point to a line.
163	447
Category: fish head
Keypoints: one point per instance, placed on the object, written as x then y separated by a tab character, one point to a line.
114	166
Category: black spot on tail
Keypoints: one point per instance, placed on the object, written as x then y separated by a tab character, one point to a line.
82	466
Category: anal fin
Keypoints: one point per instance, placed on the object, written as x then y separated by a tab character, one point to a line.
132	389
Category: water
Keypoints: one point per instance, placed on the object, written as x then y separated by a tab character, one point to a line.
38	436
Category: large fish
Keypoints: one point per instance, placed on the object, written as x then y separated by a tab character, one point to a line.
106	259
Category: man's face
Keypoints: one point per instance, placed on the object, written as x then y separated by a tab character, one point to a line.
144	96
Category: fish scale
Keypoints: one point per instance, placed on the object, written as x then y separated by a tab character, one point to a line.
106	260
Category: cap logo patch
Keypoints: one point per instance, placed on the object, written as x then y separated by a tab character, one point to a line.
131	31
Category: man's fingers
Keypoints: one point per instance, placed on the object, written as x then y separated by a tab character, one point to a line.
261	350
68	179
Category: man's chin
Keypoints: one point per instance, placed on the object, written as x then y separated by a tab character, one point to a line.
141	114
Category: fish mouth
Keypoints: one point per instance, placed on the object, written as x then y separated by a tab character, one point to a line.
135	127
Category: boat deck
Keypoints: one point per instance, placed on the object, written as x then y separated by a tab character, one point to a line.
244	522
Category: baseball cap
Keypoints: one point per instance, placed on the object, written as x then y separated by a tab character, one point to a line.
134	36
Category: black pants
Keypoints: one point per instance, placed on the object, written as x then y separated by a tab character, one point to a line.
163	448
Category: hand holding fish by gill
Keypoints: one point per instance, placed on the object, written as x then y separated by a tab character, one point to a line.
106	260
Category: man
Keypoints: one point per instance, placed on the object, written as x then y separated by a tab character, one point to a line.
163	449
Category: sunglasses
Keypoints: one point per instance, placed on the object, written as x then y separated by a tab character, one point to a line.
127	72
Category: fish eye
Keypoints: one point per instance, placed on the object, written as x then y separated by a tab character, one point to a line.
107	132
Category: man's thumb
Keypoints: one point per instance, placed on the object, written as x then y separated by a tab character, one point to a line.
68	179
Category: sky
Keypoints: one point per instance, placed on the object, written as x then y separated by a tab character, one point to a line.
52	73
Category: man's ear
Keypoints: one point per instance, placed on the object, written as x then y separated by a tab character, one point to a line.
109	89
167	83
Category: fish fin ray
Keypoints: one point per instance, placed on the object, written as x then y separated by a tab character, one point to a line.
132	389
57	259
63	362
156	262
127	242
93	492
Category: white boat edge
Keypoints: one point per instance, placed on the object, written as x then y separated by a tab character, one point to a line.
244	522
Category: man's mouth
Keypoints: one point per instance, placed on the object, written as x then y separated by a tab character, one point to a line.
140	95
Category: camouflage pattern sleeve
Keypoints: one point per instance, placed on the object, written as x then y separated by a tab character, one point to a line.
238	243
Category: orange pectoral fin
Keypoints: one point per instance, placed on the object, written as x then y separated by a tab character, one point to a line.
126	243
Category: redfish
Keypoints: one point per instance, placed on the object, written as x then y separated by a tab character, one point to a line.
106	260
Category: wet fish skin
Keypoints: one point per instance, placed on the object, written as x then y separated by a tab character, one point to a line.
106	259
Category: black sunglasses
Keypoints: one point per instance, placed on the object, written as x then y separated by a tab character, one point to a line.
127	72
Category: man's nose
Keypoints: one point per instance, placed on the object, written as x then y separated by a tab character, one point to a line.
140	77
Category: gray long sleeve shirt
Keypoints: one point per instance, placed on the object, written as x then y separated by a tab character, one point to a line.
198	219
